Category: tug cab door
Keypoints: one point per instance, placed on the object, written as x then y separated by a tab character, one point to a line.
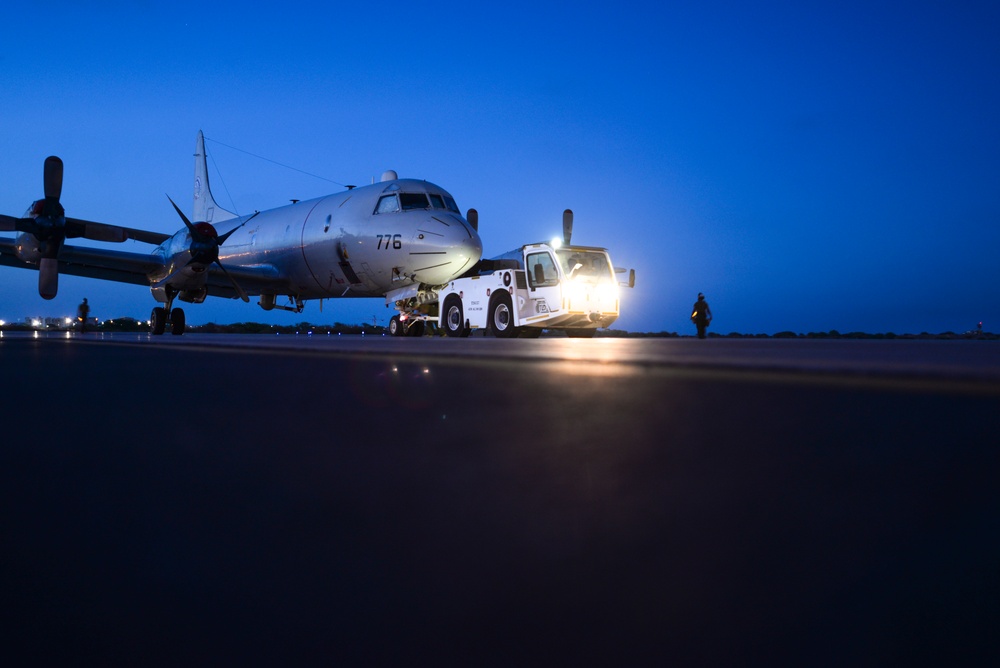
544	291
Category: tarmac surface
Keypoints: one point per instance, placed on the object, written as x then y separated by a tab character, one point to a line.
379	501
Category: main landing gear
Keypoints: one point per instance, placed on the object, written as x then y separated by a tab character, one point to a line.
161	315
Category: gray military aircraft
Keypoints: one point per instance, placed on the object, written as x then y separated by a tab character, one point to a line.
367	241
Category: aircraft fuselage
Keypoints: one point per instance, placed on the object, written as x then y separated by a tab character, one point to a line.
362	242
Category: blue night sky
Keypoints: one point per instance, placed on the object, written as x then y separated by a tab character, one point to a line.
809	166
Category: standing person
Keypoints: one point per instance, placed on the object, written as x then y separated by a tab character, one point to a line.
701	315
82	313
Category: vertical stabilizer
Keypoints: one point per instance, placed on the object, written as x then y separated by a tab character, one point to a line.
205	208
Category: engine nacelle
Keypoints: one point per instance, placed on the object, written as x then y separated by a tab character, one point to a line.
26	248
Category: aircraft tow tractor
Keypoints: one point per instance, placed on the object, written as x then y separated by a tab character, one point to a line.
539	286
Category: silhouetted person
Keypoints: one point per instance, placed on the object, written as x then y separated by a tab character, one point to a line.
701	315
82	313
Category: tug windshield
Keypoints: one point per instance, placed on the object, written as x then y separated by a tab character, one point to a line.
591	265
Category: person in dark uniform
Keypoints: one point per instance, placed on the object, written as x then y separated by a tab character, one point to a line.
701	315
82	313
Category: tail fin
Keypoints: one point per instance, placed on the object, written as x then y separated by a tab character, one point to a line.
205	208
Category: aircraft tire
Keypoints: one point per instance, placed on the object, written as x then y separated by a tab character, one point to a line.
158	321
416	329
454	317
502	316
177	322
530	332
395	326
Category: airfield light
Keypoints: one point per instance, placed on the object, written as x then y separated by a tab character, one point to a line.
2	323
69	321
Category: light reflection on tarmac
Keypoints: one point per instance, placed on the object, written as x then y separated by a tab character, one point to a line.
377	501
946	364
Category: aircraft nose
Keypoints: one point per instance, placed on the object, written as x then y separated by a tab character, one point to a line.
447	247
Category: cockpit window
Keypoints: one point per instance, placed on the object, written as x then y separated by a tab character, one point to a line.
444	202
413	201
387	204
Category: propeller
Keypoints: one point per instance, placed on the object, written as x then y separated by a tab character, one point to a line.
567	226
205	243
46	221
49	224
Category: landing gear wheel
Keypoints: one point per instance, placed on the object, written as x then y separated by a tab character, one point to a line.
530	332
395	326
416	329
454	317
581	333
177	322
502	316
158	321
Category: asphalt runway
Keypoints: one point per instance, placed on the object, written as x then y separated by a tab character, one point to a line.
369	501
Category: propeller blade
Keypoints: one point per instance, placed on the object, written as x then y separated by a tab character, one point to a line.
240	291
95	231
53	175
103	232
48	277
567	226
228	234
473	217
9	223
183	217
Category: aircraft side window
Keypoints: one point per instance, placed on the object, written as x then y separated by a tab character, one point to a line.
387	204
413	201
450	203
436	201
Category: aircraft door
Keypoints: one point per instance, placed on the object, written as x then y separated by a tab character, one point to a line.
329	243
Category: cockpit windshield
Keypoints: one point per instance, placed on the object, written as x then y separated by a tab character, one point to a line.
586	264
411	201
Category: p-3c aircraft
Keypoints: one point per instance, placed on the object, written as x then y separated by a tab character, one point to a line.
367	241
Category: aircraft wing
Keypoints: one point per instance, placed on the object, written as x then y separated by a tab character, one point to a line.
108	265
135	268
